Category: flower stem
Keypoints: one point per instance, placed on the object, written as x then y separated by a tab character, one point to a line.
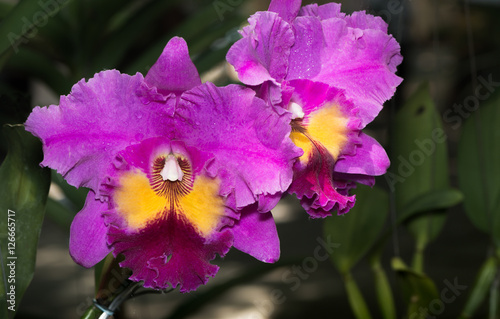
493	309
356	300
106	309
384	292
485	278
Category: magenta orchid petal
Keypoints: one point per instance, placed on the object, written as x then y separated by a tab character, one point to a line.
259	57
268	202
253	157
255	234
326	11
362	179
305	55
247	64
363	21
362	62
91	124
370	159
315	95
274	95
287	9
87	242
173	72
316	189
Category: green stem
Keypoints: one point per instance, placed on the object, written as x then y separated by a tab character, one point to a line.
384	292
418	260
92	313
356	300
494	299
484	281
418	256
99	310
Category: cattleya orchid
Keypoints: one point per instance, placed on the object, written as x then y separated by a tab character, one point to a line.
332	72
178	171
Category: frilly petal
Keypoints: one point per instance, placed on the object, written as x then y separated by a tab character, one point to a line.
314	95
255	234
353	53
169	253
363	21
253	155
326	11
263	52
316	189
370	159
362	62
97	119
287	9
87	242
355	178
173	72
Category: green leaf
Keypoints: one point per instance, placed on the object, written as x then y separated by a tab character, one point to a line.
4	58
75	196
418	290
24	187
5	9
478	169
427	227
481	287
422	204
22	23
59	214
199	31
419	164
357	230
42	68
419	157
434	200
127	35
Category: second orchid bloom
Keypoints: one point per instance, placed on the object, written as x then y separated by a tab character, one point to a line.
332	73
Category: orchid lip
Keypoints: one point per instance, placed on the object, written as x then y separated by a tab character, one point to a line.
296	109
171	171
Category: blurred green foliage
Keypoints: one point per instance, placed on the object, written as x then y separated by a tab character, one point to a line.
24	187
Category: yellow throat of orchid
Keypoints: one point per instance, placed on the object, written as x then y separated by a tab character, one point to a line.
169	190
326	125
